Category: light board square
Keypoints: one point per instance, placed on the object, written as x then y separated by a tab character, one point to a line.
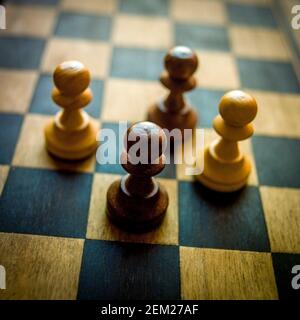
93	54
100	228
39	267
282	213
226	275
32	138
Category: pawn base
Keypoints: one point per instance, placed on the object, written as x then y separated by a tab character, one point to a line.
135	214
224	177
75	145
172	120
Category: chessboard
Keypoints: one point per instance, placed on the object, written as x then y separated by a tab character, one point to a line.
55	240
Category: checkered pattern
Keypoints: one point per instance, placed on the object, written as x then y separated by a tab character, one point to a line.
55	240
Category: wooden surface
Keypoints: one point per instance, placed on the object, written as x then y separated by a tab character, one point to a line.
3	176
221	274
100	228
282	212
56	241
40	267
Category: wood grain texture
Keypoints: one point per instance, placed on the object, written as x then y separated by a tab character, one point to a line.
59	50
243	38
100	228
117	270
218	70
282	214
125	74
40	267
136	95
196	11
130	31
29	20
251	2
278	114
16	90
224	274
45	202
90	6
3	176
38	157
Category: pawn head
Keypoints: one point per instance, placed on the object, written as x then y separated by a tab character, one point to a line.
145	140
181	62
238	108
71	78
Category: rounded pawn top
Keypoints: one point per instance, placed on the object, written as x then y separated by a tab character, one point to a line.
181	62
71	78
152	137
238	108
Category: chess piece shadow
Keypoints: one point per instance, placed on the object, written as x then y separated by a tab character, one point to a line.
219	200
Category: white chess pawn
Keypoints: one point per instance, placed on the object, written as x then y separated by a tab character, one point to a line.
72	133
226	169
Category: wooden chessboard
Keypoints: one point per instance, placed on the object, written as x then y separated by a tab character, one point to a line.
55	241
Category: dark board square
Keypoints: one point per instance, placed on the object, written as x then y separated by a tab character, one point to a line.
45	202
21	53
113	145
268	75
83	26
42	102
200	36
288	282
221	220
258	16
137	63
206	102
10	128
277	161
153	7
112	270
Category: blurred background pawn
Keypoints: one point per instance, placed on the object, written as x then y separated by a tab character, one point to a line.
173	112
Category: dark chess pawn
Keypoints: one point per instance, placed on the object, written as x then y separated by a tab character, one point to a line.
137	202
180	63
